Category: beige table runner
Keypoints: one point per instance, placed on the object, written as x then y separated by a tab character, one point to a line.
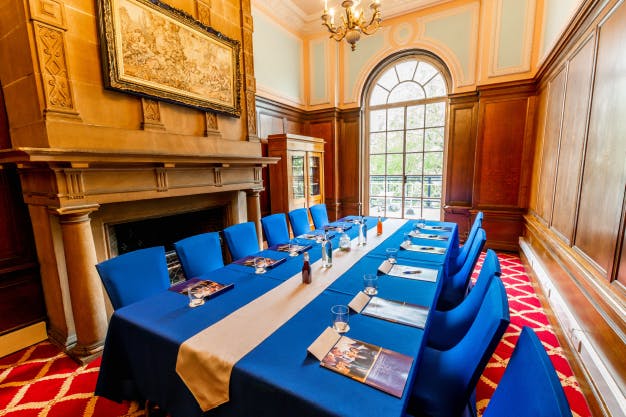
205	361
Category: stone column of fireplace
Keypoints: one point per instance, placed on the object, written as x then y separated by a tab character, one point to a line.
88	306
254	212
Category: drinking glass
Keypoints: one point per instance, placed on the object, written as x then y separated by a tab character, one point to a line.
392	255
370	284
421	223
196	296
293	249
259	265
407	238
341	318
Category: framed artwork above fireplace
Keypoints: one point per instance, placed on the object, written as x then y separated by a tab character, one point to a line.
154	50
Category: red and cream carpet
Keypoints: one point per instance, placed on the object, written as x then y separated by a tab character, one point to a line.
41	381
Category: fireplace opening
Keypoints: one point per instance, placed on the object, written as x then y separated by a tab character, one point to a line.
164	231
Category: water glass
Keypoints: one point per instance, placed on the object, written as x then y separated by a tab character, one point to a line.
293	249
407	238
196	296
370	284
341	318
392	255
259	265
421	223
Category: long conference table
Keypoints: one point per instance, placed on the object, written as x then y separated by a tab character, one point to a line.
277	377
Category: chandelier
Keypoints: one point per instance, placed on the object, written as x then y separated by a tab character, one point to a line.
353	23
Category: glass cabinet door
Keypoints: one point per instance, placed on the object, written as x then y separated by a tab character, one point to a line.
297	175
314	175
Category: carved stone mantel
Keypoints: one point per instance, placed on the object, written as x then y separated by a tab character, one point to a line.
65	189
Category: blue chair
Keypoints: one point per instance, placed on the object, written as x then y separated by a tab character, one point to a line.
529	386
319	215
275	229
299	220
449	327
458	262
455	285
241	240
133	276
200	254
446	379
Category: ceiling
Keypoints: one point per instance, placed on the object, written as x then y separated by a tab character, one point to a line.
304	15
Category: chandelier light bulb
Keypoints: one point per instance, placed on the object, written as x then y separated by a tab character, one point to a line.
353	22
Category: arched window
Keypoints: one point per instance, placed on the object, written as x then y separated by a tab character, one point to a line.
405	125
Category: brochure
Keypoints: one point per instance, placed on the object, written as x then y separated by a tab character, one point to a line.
211	288
316	235
419	248
337	227
430	236
408	272
442	228
269	262
372	365
284	247
391	310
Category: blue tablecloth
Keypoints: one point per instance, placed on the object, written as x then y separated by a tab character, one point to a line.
277	378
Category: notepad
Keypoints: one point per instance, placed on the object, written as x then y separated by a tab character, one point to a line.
408	272
425	249
391	310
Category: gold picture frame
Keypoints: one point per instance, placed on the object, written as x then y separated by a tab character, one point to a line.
154	50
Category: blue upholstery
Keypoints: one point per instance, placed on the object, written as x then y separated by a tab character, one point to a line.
446	379
133	276
299	220
449	327
241	240
529	386
459	261
200	254
455	285
319	215
275	229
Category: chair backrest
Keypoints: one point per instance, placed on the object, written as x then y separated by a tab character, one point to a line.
200	254
299	220
459	261
241	240
447	328
455	285
446	379
319	214
133	276
530	385
275	229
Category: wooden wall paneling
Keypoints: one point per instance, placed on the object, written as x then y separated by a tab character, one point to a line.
572	143
552	135
5	138
540	126
604	175
323	126
349	157
620	262
459	160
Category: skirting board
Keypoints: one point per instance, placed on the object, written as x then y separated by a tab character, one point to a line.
19	339
603	381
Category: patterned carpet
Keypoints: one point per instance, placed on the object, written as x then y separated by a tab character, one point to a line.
41	381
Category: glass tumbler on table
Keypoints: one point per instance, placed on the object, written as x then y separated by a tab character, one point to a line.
196	296
259	265
370	284
341	318
392	255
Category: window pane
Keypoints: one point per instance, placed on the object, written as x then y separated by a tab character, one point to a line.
377	142
396	118
414	163
436	87
406	69
394	207
394	186
424	73
388	79
406	91
433	163
434	139
378	119
377	164
411	208
435	114
375	204
415	116
394	142
414	140
413	186
432	186
394	164
379	96
377	185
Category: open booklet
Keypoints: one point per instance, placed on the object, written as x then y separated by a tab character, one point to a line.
372	365
269	262
409	272
396	311
210	288
420	248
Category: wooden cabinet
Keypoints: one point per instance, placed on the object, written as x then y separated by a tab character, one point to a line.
297	180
